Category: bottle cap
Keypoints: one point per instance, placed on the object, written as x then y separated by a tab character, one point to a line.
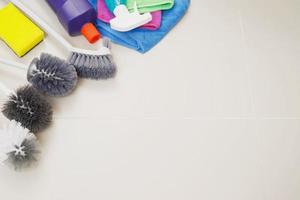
90	32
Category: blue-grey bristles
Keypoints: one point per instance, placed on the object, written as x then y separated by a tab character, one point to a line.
94	66
52	76
30	108
25	155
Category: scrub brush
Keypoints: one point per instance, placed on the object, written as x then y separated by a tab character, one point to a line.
49	75
27	106
97	64
19	147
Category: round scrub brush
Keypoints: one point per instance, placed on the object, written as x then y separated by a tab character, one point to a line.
49	75
28	107
91	64
19	147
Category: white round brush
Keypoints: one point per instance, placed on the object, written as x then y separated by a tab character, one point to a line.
19	147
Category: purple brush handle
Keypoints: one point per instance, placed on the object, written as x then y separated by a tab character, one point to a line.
73	14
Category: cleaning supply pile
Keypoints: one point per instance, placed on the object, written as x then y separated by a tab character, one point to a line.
165	15
136	24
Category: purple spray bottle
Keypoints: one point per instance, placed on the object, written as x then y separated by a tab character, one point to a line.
77	17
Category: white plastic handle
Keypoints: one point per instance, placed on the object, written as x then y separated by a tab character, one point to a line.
42	24
13	64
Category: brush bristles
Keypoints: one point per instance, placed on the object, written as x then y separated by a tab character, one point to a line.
29	108
94	66
19	148
25	158
52	76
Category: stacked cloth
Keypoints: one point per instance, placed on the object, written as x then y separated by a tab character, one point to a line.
150	5
165	15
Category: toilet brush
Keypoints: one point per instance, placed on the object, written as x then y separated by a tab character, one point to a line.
91	64
19	147
27	106
48	74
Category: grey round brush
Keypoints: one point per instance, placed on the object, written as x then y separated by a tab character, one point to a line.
28	107
94	66
52	75
48	74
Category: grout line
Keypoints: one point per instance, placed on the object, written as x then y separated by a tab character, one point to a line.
245	54
250	81
174	118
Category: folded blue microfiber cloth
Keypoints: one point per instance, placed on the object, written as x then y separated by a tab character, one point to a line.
143	40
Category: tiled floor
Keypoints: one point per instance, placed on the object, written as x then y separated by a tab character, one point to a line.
212	112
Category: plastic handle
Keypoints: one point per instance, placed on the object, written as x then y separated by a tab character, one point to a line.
42	24
13	64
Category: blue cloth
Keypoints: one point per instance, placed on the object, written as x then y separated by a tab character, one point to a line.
143	40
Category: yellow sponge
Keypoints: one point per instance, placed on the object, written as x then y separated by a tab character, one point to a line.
17	31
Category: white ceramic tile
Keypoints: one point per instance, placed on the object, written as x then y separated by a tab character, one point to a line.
144	159
204	76
280	157
271	32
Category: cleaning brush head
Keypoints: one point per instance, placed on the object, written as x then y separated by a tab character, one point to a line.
25	155
94	66
30	108
19	147
52	76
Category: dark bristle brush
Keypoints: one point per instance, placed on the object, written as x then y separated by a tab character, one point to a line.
49	75
91	64
27	106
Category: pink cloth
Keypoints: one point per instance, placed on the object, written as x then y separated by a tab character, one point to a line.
105	15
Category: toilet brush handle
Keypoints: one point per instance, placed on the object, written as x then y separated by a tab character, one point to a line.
5	89
42	24
14	64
